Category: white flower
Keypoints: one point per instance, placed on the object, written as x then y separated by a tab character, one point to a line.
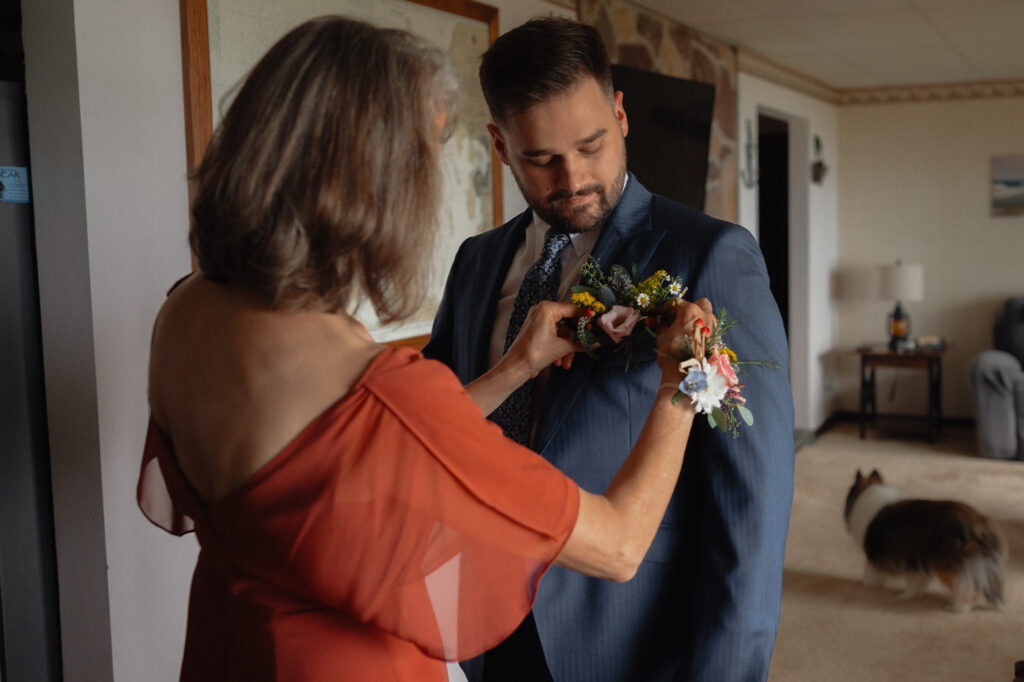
707	400
675	289
643	300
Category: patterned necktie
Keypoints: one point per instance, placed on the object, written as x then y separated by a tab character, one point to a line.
540	283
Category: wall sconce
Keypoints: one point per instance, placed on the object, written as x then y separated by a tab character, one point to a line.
750	174
818	168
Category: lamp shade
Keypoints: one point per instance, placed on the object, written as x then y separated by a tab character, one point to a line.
902	282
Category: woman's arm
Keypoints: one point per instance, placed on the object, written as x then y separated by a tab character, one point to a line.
613	531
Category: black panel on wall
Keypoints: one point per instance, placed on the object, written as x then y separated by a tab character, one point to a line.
669	132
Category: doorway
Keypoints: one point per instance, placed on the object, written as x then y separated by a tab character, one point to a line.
773	207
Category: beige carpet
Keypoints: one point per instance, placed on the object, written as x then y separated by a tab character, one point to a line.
833	628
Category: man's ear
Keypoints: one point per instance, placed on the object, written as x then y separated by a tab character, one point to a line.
499	143
620	113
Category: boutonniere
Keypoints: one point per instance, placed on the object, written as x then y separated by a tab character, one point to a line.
627	315
621	313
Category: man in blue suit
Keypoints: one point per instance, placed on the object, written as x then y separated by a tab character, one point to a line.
705	603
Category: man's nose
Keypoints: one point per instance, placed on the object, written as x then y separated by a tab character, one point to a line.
572	174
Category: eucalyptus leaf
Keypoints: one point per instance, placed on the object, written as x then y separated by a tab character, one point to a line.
678	397
719	417
711	422
747	415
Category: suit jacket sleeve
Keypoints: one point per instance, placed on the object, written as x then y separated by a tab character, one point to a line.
745	483
442	334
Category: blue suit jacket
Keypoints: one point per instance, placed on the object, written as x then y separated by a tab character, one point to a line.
705	603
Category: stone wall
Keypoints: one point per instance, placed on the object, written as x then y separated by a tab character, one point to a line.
642	39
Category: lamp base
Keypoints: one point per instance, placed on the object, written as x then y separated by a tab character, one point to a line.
902	344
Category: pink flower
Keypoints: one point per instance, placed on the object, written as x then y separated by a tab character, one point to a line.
721	362
618	322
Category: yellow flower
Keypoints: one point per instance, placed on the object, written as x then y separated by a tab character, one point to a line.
585	299
728	352
653	282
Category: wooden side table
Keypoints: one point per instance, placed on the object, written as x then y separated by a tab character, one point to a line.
925	360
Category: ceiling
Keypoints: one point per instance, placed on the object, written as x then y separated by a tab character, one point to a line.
852	44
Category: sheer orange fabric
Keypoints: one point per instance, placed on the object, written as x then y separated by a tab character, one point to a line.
398	529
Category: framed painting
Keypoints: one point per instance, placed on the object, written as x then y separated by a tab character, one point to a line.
223	39
1008	185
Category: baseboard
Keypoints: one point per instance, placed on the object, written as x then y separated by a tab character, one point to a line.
848	416
802	437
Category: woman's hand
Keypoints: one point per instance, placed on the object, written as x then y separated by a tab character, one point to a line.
542	341
689	317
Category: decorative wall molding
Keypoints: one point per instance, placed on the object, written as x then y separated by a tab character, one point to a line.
568	4
932	93
756	65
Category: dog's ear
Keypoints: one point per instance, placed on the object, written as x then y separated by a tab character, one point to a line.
875	477
860	477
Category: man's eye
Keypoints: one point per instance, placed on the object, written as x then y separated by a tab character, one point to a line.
590	151
542	161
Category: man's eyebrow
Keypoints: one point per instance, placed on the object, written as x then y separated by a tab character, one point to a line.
532	153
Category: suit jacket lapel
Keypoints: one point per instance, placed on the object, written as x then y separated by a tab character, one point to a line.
492	268
627	238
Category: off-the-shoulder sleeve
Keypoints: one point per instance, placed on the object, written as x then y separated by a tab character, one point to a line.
406	509
154	489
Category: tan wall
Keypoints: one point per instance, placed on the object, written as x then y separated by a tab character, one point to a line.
914	184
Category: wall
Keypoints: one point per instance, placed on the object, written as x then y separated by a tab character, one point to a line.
106	130
103	82
814	227
915	179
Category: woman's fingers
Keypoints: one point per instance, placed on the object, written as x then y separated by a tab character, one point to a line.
542	340
689	318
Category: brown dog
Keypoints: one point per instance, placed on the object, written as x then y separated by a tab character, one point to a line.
918	539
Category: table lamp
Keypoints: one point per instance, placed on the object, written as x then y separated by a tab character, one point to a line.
901	282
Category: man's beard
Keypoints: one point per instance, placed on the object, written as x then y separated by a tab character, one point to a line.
577	219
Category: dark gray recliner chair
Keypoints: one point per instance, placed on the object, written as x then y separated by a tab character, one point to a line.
997	382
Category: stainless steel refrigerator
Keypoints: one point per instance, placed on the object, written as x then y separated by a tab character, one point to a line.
29	627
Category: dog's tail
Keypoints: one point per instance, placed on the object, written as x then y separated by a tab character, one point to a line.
986	554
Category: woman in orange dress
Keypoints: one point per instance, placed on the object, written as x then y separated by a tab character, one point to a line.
358	517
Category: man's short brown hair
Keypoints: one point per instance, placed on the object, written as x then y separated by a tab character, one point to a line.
543	58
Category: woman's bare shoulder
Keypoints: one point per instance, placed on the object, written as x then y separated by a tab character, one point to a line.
233	382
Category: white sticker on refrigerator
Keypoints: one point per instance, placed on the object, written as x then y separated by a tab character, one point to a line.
14	185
